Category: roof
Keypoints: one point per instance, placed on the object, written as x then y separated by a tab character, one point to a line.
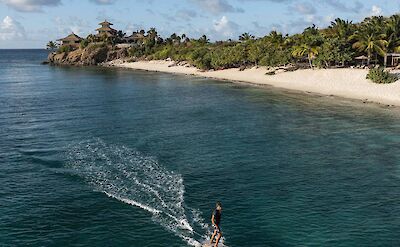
71	37
106	29
136	36
108	34
105	23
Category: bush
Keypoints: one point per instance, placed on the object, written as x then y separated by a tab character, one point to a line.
163	54
84	43
380	76
93	46
228	57
64	48
201	58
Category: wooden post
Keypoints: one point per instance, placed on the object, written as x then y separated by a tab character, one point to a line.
385	63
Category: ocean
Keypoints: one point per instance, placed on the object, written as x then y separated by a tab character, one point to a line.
94	156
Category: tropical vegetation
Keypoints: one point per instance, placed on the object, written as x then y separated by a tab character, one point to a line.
335	46
380	76
51	45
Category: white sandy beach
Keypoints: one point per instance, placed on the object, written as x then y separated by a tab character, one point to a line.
348	83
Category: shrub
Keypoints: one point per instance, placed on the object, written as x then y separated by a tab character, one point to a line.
84	43
64	48
137	52
380	76
201	58
163	54
93	46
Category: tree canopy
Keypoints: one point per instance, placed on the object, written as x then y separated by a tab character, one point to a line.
336	45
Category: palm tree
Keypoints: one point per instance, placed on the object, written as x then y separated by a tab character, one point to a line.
152	33
376	21
185	38
304	49
369	40
91	38
121	34
175	39
308	43
393	33
246	37
203	39
340	28
276	39
51	45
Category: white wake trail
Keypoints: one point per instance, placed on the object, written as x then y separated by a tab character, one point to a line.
132	178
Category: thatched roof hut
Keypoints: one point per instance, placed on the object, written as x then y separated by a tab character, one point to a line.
106	29
135	37
361	59
105	23
71	39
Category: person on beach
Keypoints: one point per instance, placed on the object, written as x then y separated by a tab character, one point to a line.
216	220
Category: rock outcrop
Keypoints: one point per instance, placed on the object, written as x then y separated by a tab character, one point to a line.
91	55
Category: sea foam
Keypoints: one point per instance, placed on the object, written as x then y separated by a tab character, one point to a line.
135	179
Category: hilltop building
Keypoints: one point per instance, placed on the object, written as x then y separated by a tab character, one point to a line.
106	29
71	40
135	37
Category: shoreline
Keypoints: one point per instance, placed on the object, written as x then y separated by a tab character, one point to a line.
345	83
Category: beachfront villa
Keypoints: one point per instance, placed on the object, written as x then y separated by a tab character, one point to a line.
71	40
391	59
106	29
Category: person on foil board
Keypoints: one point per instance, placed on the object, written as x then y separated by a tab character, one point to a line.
216	220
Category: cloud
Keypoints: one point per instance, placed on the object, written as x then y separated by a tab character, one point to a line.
303	8
336	4
37	5
30	5
11	29
339	5
299	24
217	6
225	28
376	11
186	14
104	15
130	28
183	14
274	1
72	24
103	2
259	30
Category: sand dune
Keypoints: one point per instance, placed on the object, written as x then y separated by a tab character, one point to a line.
348	83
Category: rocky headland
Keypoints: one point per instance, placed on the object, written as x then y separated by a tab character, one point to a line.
91	55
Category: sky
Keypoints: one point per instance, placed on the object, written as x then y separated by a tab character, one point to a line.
32	23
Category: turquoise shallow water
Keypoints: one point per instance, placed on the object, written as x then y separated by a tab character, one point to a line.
109	157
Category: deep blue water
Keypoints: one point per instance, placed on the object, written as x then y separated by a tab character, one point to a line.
112	157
